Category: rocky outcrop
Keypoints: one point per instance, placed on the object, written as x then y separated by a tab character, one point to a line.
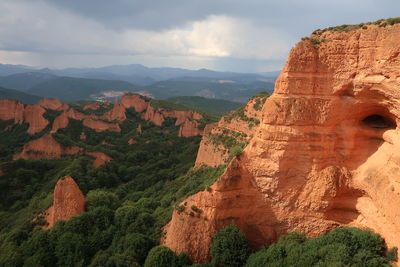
189	128
153	115
45	148
100	158
60	122
134	101
68	201
33	114
325	154
132	141
11	110
181	115
53	104
92	106
116	113
238	126
101	126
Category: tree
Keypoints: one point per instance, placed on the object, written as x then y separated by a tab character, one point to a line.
161	256
229	247
99	198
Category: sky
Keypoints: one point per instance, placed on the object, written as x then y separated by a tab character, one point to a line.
224	35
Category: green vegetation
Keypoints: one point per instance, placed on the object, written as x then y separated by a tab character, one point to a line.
230	248
71	89
18	95
239	113
340	247
351	27
260	99
156	103
216	106
129	199
12	138
237	92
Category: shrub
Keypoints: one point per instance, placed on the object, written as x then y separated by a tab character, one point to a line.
161	256
229	247
99	198
339	247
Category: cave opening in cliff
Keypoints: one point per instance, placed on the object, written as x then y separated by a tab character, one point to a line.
379	122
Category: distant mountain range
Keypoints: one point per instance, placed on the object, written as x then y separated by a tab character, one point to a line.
74	84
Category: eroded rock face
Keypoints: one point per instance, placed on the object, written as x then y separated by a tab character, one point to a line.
11	110
68	201
153	115
116	113
60	122
326	152
237	125
100	158
33	114
92	106
45	148
134	101
101	126
53	104
189	128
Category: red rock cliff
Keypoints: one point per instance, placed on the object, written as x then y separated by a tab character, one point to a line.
45	148
134	101
53	104
325	154
16	111
11	110
33	114
239	125
68	201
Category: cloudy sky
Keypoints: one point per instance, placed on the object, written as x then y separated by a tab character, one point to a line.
228	35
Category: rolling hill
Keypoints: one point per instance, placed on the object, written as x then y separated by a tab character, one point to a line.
17	95
217	106
73	89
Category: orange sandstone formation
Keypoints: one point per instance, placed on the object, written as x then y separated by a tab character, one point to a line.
153	115
134	101
189	128
11	110
53	104
68	201
33	114
237	125
132	141
100	158
93	106
60	122
100	126
116	113
325	154
45	148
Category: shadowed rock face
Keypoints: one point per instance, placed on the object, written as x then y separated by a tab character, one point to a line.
326	152
68	201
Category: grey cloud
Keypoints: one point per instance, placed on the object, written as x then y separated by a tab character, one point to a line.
209	33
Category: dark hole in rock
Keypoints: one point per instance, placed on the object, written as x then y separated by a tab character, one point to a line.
379	121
